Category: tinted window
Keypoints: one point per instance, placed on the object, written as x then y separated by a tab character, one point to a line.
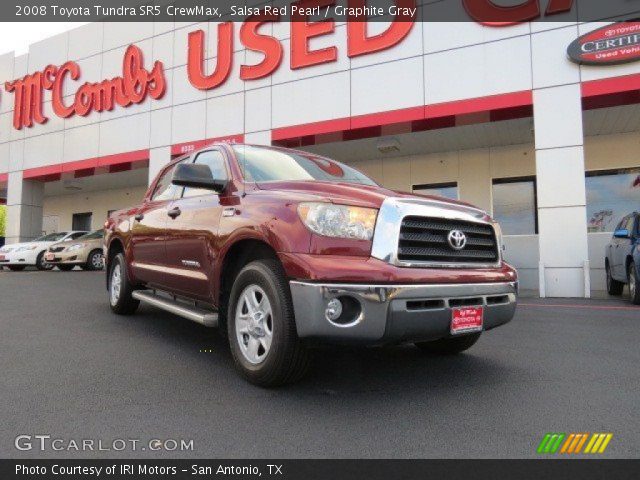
93	235
514	206
215	160
610	197
165	190
260	164
447	190
73	236
52	237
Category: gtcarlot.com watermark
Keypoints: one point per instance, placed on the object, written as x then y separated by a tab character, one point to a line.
48	443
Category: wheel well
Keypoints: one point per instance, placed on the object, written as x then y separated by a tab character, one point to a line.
115	247
239	255
628	262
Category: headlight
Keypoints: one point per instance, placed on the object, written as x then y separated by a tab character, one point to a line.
27	247
74	247
339	221
498	230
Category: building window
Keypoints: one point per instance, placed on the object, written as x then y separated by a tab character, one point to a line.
447	190
514	205
81	221
611	195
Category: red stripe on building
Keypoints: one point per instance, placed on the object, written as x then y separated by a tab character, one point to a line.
611	92
187	147
88	166
442	115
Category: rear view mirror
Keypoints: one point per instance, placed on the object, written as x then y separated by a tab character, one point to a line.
621	233
196	175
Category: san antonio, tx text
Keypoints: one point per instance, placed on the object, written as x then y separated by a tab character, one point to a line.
144	469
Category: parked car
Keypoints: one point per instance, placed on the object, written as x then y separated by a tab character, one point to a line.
283	249
622	258
19	256
84	251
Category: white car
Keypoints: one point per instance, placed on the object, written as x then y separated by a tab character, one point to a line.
18	256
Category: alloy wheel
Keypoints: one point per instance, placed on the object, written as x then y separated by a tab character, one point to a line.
97	261
254	324
115	285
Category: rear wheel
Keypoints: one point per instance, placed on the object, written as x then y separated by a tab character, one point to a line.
120	289
65	268
449	346
614	287
634	292
94	260
41	263
261	326
17	268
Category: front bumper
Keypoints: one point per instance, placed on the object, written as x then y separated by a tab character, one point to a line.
379	314
26	257
76	257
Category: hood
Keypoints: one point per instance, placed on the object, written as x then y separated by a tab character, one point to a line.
350	193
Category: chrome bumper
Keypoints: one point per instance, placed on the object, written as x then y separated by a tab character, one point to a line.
377	314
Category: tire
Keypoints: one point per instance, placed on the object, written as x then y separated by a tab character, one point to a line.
94	260
41	264
265	347
449	346
65	268
120	288
17	268
634	284
614	287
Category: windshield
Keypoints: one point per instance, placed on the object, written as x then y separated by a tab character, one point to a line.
52	237
267	165
93	235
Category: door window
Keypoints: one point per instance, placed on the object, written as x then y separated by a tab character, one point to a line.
216	162
165	190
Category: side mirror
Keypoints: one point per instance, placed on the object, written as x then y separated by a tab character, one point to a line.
197	175
621	233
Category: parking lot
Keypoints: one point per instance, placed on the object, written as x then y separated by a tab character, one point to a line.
73	370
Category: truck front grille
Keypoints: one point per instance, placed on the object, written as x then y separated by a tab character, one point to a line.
424	239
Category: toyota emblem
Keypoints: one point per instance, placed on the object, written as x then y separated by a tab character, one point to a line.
457	239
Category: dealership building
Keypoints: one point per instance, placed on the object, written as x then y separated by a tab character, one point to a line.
500	117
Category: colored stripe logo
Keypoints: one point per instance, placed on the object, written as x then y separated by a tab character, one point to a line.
573	443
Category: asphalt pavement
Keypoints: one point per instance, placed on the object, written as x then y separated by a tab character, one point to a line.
73	370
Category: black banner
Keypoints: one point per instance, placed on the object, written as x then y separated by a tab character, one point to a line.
322	469
486	11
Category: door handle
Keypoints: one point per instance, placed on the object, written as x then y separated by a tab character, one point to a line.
139	216
174	212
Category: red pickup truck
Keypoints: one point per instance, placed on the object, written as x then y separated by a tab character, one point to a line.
283	249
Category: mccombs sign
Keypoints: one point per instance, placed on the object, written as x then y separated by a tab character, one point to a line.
137	82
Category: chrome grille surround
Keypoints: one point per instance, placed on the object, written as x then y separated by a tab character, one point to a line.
394	210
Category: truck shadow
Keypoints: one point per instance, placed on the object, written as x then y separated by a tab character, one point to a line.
333	370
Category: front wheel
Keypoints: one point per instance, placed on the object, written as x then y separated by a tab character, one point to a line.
120	288
614	287
634	292
261	326
94	260
449	346
41	263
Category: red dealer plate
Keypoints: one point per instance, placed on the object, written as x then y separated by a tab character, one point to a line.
1	257
464	320
49	256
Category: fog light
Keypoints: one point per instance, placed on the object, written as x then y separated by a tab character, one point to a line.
334	309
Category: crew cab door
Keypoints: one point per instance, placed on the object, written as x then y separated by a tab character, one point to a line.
192	233
148	232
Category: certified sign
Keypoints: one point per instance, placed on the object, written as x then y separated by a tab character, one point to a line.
611	45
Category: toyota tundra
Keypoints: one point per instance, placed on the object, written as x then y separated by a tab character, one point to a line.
283	250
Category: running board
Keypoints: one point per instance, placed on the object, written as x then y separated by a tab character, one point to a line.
193	313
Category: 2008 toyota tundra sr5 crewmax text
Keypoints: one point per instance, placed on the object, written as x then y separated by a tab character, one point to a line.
283	249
